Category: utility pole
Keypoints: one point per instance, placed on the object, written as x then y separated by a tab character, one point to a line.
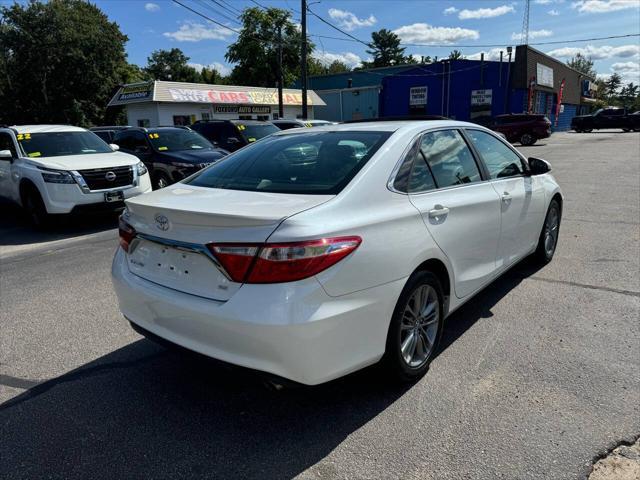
303	57
524	38
280	81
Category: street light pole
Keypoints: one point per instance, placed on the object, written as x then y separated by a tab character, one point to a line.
280	80
303	57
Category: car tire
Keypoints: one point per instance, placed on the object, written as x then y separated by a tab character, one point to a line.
406	358
548	240
161	181
588	130
527	139
35	208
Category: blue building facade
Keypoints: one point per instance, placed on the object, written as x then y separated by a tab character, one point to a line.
468	90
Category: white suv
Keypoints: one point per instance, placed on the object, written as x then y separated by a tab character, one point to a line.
57	169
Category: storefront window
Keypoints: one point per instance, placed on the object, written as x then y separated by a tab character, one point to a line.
144	123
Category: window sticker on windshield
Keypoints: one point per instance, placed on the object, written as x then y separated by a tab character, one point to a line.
162	149
154	135
34	154
241	127
251	139
23	136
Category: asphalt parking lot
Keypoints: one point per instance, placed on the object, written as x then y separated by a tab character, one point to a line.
537	376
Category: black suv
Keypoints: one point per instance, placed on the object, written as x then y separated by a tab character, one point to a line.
107	133
170	153
234	134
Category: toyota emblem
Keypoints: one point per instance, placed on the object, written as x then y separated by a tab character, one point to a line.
162	222
110	176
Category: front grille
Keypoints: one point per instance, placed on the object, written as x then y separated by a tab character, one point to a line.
97	178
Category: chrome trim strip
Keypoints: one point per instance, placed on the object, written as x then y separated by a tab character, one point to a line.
186	246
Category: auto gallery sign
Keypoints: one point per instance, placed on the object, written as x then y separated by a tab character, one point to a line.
234	97
241	109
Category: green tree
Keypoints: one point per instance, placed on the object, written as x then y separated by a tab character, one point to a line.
338	67
255	51
386	50
612	84
171	65
456	55
61	62
583	65
629	95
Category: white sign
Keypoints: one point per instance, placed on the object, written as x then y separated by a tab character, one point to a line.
417	96
544	75
481	97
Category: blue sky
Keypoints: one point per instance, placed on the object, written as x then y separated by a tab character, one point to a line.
156	24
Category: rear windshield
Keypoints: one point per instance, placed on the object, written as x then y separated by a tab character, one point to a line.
170	140
252	131
56	144
320	163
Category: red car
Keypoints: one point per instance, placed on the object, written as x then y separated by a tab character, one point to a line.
526	128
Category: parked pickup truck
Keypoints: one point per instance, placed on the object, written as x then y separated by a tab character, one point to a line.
606	118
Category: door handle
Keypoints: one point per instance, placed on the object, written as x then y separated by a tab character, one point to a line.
438	211
506	198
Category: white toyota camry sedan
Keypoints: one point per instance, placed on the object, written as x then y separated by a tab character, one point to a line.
314	253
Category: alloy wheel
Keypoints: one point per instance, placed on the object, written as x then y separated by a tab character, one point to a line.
419	326
551	231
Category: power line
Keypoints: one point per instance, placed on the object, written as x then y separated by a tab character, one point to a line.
452	45
210	8
335	28
231	7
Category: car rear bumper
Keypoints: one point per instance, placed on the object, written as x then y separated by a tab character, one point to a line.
293	330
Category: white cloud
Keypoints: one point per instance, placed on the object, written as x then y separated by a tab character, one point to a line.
349	21
553	12
151	7
603	6
597	53
629	71
425	33
450	10
350	59
221	68
485	12
493	55
533	34
195	32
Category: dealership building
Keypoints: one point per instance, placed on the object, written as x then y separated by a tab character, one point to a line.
459	89
155	103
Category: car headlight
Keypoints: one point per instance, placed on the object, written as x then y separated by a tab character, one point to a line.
56	176
141	168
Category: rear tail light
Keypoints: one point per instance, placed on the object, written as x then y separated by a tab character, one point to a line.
127	233
282	262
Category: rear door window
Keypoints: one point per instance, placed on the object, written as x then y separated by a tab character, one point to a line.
449	158
500	160
320	163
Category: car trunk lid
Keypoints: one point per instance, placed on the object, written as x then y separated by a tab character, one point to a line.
174	225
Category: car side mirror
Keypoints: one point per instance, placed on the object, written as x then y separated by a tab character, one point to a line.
233	140
114	147
538	166
6	155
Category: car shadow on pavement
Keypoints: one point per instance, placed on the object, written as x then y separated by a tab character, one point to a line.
15	228
146	412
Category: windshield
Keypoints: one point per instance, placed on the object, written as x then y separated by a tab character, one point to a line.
320	163
55	144
252	132
177	140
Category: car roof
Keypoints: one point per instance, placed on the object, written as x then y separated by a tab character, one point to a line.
46	128
383	126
